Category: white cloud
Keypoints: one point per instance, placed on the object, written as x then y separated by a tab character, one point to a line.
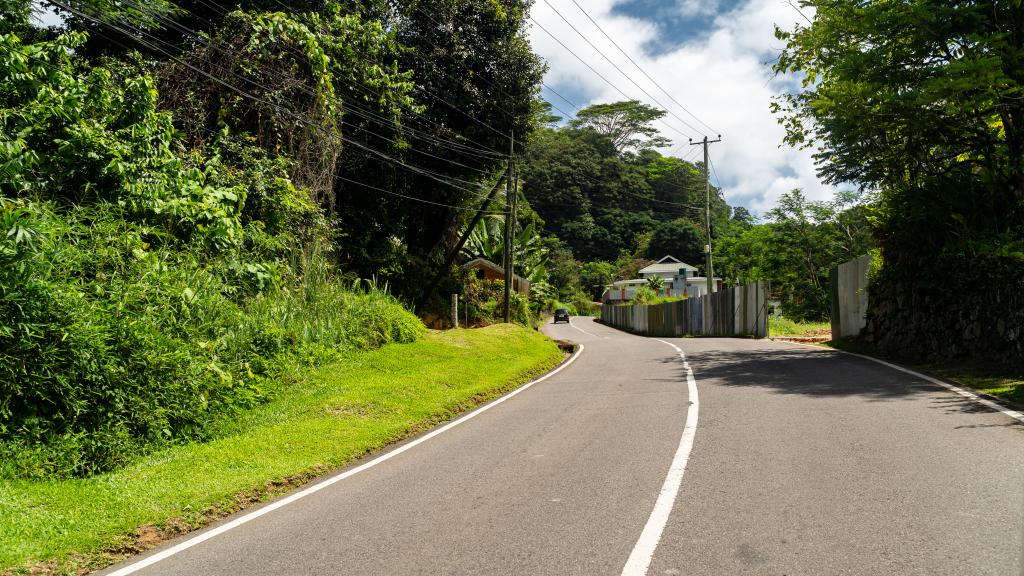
695	7
724	77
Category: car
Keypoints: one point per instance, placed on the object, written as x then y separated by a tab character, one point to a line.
561	314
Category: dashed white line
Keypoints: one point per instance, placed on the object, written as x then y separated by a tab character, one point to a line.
643	551
204	536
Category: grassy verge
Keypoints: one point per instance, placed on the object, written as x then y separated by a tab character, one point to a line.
1000	382
787	327
334	415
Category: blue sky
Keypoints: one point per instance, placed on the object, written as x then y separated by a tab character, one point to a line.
675	23
712	56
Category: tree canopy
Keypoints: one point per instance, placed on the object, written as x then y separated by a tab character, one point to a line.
627	125
600	199
924	101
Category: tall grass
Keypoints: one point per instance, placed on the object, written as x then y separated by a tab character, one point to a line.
115	341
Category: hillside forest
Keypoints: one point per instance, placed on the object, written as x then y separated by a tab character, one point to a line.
197	201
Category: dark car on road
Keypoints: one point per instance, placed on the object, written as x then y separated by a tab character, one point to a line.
561	314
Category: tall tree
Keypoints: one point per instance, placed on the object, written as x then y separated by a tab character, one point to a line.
796	248
922	99
628	125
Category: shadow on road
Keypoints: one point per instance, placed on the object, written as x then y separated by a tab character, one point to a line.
820	374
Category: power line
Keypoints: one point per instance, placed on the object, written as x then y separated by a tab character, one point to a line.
556	93
414	198
638	67
350	180
243	93
616	66
594	70
718	183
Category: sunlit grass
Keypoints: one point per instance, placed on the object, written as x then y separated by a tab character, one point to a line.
334	415
786	327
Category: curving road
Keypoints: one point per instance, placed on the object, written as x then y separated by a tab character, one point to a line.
803	461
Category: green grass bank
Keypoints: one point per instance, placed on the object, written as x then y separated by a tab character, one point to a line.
786	327
330	417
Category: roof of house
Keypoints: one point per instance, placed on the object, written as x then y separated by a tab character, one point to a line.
485	263
691	280
666	264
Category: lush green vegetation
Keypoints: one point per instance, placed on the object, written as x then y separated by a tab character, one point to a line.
794	250
611	205
922	101
188	195
145	289
331	416
608	198
782	326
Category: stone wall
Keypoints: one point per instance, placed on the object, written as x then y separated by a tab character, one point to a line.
972	309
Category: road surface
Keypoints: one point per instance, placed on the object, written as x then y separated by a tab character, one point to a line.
798	461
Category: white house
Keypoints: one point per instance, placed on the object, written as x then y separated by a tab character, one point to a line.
680	281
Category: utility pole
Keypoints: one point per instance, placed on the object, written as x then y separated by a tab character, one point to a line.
707	220
710	271
509	204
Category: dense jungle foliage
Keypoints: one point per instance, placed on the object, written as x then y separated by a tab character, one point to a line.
188	195
613	204
922	101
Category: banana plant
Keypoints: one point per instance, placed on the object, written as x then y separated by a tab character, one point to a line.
487	241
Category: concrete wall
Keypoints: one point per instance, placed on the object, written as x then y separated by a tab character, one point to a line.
849	287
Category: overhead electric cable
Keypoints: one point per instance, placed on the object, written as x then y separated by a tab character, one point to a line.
599	75
621	71
642	71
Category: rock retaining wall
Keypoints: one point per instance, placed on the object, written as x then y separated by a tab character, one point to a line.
974	309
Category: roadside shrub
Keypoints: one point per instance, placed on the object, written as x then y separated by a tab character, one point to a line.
644	295
145	291
486	301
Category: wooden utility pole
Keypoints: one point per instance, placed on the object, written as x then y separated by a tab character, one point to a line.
707	215
509	206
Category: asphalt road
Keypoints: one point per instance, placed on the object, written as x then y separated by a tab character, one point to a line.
803	462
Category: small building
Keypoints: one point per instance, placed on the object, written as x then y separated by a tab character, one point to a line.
487	270
679	278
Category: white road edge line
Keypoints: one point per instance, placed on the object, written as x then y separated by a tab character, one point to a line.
965	393
643	551
204	536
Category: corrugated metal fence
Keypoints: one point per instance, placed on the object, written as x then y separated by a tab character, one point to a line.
738	311
849	287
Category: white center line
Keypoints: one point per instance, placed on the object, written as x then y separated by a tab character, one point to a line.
244	518
582	330
643	551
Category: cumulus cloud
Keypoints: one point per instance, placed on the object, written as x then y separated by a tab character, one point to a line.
722	74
